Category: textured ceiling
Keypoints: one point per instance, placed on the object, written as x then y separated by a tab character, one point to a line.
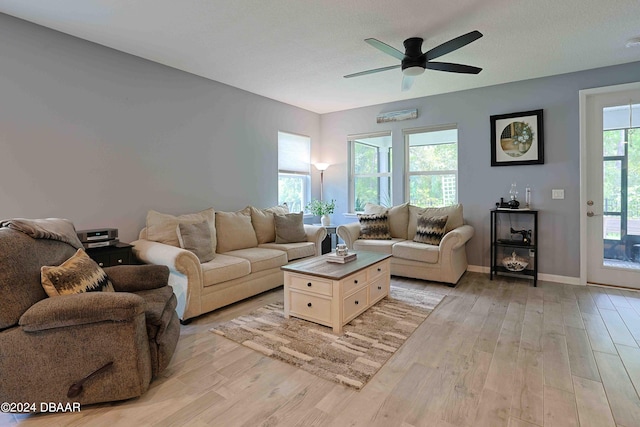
296	51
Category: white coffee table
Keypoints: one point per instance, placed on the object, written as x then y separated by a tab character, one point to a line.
333	294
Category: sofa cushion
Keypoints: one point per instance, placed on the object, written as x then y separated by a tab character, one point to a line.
293	250
454	212
260	258
374	226
430	229
76	275
398	218
264	224
379	246
416	251
197	239
290	228
235	231
223	268
162	227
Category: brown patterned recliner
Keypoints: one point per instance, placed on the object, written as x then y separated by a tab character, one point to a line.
89	347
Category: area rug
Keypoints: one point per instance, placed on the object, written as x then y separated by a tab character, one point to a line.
351	358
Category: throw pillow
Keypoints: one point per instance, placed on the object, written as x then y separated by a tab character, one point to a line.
162	227
454	212
430	229
263	222
374	226
197	239
76	275
398	217
290	228
235	230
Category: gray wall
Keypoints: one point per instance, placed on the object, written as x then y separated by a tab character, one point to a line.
481	185
98	136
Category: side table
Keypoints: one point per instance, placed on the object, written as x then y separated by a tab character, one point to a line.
107	256
328	243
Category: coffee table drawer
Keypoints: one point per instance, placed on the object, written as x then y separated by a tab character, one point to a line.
310	307
378	289
309	284
355	304
353	282
378	270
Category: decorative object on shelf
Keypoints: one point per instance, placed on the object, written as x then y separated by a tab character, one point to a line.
322	209
517	139
514	262
527	197
513	197
322	167
526	236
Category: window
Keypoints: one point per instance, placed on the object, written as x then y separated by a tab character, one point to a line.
294	174
432	166
369	170
621	180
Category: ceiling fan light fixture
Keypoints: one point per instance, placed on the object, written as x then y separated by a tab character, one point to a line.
413	71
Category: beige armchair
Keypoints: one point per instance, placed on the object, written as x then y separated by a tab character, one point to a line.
89	347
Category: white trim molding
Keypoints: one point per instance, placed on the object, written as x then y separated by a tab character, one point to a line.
541	276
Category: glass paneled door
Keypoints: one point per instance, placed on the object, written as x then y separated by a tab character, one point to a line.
621	185
612	196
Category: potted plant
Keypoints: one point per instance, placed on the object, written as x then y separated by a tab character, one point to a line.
322	209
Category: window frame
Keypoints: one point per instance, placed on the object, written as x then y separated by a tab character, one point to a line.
351	141
407	169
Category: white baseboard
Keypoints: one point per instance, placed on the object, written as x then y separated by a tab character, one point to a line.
541	276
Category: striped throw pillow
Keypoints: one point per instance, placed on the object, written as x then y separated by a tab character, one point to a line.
374	226
76	275
430	229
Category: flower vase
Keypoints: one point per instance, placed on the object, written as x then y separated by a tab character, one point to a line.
325	220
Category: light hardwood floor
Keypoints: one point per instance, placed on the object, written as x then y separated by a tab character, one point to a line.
493	353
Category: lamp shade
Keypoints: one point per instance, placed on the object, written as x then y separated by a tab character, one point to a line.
322	166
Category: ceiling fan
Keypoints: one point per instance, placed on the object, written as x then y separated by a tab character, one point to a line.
414	62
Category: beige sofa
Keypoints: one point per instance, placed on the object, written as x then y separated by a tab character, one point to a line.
445	262
246	262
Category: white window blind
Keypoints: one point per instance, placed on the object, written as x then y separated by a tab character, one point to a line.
294	153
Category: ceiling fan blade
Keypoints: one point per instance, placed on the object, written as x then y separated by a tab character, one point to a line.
385	48
377	70
453	44
453	68
407	82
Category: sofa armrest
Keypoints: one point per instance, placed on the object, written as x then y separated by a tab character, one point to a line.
315	234
349	233
81	309
177	259
456	237
185	273
134	278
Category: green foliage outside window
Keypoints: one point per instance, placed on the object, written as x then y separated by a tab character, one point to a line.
614	145
433	189
371	189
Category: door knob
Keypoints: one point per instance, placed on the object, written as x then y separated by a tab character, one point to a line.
590	214
590	203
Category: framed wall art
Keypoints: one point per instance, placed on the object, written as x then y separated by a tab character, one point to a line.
517	139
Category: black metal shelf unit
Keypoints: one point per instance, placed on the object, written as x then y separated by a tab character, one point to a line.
501	247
